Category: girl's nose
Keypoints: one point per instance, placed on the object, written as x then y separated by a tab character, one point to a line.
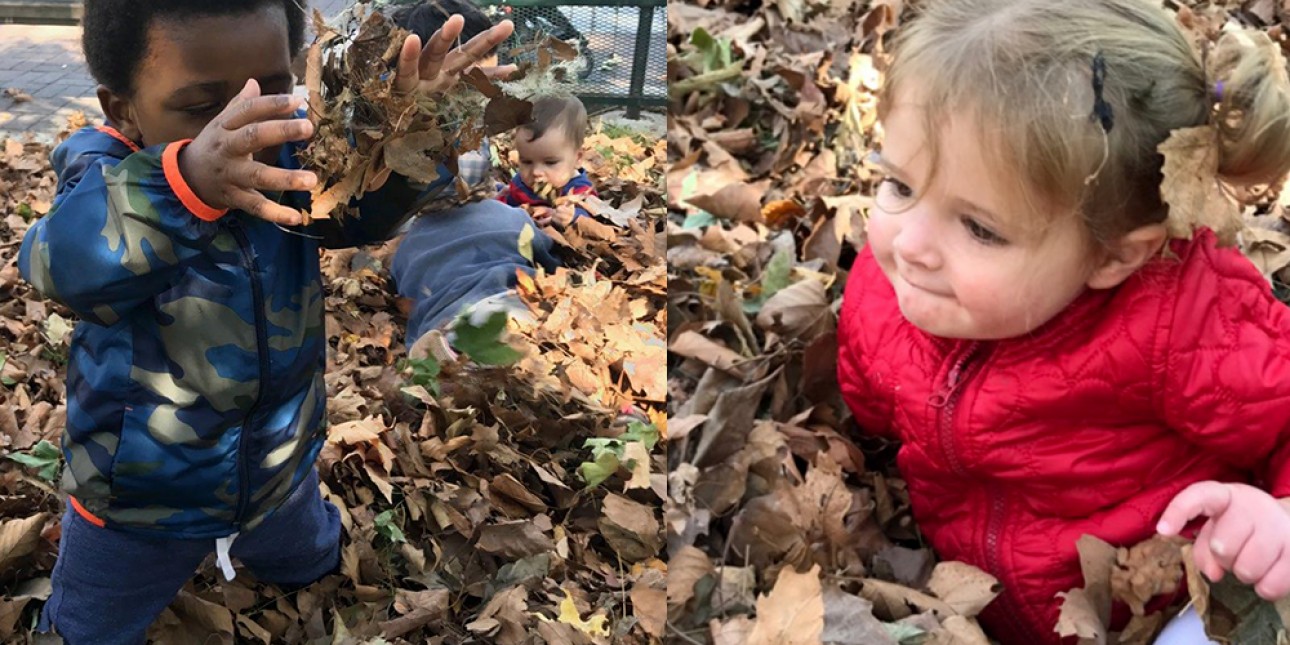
915	242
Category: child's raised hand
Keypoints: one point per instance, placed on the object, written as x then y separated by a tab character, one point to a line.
542	215
563	215
1248	533
438	66
559	216
219	165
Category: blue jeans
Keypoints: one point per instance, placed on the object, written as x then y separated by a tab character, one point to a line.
109	585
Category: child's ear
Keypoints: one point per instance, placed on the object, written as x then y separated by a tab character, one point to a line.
1127	255
120	113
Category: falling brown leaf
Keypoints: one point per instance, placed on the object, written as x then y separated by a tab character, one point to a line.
505	113
412	155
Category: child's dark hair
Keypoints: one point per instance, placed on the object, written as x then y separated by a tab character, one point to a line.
428	17
115	32
564	112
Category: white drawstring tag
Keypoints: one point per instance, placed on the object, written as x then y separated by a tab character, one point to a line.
222	545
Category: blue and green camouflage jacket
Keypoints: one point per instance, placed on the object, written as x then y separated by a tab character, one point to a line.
195	395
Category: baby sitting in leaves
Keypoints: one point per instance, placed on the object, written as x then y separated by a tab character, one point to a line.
550	150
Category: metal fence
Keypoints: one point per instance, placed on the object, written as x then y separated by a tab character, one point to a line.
622	42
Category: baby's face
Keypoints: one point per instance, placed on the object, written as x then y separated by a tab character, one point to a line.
194	68
965	259
551	159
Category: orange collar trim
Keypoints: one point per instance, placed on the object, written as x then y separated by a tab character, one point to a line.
116	134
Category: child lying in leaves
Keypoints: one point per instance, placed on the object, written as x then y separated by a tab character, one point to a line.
461	255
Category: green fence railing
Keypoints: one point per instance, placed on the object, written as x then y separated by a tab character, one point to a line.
622	42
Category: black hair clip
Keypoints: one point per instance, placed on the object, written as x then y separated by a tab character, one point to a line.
1101	109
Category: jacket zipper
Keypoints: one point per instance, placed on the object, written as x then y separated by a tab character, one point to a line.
946	399
994	557
262	351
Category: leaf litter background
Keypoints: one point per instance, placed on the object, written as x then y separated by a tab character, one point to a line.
784	526
508	502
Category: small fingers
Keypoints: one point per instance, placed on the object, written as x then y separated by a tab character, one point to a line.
244	111
260	206
257	176
406	76
1207	498
1256	558
478	48
436	50
499	72
255	137
1231	533
1203	557
1275	583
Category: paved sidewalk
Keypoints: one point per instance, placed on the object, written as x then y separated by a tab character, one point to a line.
45	63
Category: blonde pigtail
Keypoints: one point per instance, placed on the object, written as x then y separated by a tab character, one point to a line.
1252	90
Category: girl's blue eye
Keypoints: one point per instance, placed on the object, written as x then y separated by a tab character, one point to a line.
981	233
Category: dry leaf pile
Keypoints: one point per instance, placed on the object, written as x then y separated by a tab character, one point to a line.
783	524
365	129
465	489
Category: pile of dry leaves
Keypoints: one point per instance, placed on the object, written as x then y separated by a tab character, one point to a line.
510	499
783	525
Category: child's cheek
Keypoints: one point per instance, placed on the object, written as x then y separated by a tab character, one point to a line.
880	230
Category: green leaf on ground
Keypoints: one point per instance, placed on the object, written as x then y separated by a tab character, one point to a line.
608	453
385	525
603	465
425	372
44	456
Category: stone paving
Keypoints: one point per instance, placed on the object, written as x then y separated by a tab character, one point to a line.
45	63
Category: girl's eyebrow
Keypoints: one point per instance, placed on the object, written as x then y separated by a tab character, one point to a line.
976	209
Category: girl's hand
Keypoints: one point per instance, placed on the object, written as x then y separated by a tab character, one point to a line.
1248	533
218	164
438	66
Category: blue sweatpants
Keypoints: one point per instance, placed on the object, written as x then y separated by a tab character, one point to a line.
109	586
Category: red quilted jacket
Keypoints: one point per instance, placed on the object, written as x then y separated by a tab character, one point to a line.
1091	424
